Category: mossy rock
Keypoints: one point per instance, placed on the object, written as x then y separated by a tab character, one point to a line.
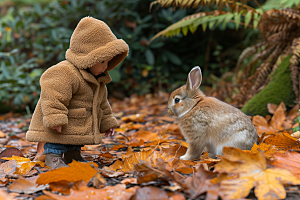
278	89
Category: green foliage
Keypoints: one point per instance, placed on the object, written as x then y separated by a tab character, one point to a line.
36	37
279	89
220	14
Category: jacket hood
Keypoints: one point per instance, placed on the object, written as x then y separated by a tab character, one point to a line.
92	42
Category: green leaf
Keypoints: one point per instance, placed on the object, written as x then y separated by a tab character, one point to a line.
237	20
248	18
204	26
149	57
185	30
256	19
227	19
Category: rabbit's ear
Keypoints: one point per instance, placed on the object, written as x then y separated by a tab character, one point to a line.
194	78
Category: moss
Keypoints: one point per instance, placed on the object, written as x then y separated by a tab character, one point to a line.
279	89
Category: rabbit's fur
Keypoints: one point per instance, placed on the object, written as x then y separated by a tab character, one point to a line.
207	121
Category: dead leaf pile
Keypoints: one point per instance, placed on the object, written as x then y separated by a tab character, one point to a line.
142	160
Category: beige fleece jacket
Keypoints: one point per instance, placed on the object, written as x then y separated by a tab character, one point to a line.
71	96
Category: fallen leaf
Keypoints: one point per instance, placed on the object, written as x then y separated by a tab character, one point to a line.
12	151
289	160
5	196
201	183
134	118
283	140
150	193
129	181
253	172
267	149
7	168
75	172
60	186
118	192
22	185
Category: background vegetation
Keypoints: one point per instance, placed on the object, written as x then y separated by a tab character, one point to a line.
35	36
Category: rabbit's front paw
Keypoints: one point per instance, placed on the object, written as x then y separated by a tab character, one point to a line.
184	157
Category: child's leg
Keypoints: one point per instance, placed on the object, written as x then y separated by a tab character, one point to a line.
54	153
73	153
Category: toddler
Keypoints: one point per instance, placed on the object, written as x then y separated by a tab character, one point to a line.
73	108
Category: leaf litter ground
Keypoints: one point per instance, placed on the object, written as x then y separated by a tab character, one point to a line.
142	160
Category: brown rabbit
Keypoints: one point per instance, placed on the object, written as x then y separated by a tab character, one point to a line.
207	121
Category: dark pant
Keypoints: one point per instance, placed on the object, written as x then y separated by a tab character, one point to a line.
60	148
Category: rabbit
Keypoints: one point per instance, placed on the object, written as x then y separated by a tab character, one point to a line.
208	122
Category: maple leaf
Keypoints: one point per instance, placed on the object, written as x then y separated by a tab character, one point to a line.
75	172
262	125
201	183
252	171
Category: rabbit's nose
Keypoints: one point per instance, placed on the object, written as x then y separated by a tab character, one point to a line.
170	111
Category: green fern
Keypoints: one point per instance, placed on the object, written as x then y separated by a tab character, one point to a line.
239	13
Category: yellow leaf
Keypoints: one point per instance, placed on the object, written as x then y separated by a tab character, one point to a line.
253	172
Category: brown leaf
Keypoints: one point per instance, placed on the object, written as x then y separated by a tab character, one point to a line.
150	193
12	151
272	107
76	172
60	186
98	181
201	183
7	168
118	192
253	172
26	186
129	181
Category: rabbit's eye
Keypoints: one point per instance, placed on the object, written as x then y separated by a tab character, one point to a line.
177	100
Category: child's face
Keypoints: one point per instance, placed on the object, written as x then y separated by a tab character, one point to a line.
100	67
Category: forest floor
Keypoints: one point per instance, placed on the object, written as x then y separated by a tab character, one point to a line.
141	161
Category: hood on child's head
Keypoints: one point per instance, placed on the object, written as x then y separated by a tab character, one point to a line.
92	42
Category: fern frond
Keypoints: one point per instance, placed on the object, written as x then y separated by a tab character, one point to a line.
279	4
192	22
294	67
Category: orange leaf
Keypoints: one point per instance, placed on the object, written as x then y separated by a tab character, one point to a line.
278	117
118	192
268	149
76	172
272	107
289	160
283	140
261	125
253	172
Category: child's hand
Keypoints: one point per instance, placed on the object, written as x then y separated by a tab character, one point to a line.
110	132
58	128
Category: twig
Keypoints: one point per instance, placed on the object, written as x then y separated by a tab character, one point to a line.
124	136
38	170
156	146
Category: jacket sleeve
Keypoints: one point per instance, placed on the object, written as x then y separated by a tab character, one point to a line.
108	120
57	85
